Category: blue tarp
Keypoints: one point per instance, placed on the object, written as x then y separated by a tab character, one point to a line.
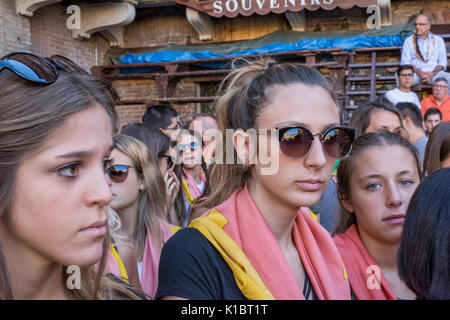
276	42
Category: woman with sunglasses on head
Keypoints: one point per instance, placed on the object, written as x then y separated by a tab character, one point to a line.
259	240
159	146
139	198
375	184
53	189
193	179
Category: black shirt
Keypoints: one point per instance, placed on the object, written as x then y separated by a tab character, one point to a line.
191	268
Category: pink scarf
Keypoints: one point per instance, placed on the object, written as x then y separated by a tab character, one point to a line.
192	192
150	260
360	266
317	251
114	265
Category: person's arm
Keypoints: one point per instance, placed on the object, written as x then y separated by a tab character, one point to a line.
407	52
442	55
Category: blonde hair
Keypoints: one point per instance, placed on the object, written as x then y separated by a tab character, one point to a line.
152	200
242	101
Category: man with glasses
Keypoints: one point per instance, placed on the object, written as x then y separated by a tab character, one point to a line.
403	93
439	100
426	52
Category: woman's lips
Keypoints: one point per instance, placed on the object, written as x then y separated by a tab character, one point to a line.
96	229
395	219
310	185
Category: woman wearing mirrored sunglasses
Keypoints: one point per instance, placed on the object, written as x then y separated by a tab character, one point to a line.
375	185
55	141
193	179
159	146
139	198
259	240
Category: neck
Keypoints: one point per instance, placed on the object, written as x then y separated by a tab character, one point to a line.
424	35
384	254
195	172
128	218
278	216
439	101
415	134
33	277
405	90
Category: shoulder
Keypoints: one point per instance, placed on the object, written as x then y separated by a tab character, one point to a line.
409	40
438	38
190	267
186	241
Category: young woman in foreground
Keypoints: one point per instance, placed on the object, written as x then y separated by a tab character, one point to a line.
56	130
375	184
259	241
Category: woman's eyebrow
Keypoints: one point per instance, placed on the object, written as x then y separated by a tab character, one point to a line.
75	154
294	123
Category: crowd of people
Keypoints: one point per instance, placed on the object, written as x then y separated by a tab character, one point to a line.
146	211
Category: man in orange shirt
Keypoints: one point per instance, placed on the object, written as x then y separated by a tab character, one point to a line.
439	100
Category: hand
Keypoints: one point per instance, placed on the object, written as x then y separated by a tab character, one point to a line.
423	76
172	187
429	75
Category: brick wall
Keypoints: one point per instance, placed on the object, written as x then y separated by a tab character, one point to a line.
14	30
45	33
50	35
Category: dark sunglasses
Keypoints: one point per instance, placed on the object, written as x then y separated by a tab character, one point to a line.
38	69
118	172
296	142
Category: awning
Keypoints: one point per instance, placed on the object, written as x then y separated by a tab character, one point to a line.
275	42
231	8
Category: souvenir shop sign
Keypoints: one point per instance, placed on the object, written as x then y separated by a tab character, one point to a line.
231	8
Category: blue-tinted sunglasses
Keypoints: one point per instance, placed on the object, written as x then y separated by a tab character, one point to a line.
38	69
183	147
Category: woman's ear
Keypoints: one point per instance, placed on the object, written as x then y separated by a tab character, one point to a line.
141	182
240	143
244	143
346	203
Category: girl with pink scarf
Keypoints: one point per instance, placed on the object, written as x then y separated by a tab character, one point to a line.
259	240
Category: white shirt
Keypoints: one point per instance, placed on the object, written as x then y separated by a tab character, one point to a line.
396	95
438	56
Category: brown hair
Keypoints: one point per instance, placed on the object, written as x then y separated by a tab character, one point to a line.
347	165
242	101
438	148
158	143
361	118
29	113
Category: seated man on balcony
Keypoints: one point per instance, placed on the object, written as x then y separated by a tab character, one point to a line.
426	52
403	93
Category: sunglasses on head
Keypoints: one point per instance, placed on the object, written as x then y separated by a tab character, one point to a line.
118	173
37	69
296	141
